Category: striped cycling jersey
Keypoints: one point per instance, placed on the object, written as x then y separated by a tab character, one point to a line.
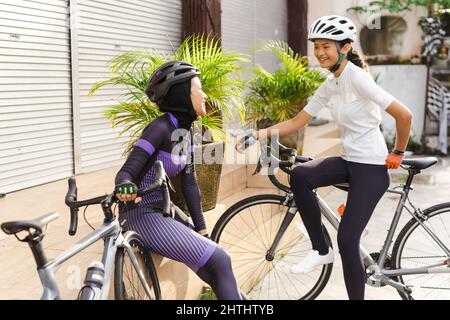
163	140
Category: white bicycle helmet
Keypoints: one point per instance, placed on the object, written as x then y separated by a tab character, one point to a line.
332	27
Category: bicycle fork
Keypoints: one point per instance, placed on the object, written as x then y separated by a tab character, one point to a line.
289	216
137	268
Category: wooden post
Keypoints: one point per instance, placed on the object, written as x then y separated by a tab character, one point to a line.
298	25
201	17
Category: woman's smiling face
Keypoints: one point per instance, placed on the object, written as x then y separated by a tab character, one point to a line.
326	52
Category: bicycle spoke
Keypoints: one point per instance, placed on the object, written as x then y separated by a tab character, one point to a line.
282	283
250	261
428	237
252	270
274	278
131	278
243	248
264	226
132	287
261	278
424	287
243	239
420	250
256	224
252	273
445	227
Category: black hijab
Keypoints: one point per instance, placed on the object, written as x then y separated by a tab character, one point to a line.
178	102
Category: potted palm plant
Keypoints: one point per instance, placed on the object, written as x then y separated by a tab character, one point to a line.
133	110
278	96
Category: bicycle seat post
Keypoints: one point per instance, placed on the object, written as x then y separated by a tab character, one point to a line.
411	174
38	252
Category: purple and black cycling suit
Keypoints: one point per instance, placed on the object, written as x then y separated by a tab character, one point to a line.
164	235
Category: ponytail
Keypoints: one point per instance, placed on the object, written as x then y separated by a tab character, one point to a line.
356	58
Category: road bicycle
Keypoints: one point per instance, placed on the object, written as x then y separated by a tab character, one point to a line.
125	260
265	236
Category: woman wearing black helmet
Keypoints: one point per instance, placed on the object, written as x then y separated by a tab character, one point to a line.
176	89
355	101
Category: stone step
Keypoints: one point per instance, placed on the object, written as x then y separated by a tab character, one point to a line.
179	282
328	130
233	179
322	141
322	147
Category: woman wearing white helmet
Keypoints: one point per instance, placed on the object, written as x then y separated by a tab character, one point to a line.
355	101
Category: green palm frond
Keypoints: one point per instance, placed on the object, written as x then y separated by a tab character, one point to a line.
278	96
220	71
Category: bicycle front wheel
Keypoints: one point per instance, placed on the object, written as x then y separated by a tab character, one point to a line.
248	229
415	248
127	285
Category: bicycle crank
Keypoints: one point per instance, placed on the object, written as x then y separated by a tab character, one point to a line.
370	280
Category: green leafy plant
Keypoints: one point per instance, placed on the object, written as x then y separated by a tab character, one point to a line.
278	96
207	294
132	70
396	6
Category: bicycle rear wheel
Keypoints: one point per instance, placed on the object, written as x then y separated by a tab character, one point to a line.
414	248
127	285
247	230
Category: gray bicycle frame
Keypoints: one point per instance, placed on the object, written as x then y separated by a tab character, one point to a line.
381	273
111	232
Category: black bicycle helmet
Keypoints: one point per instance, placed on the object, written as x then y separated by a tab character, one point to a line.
166	75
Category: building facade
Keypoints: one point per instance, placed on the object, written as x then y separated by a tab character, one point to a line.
53	51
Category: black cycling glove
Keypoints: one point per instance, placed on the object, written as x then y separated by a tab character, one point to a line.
126	188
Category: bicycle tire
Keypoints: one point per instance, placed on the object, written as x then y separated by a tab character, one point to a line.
283	256
407	243
125	283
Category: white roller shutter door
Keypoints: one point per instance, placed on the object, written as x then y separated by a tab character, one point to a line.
246	23
36	142
106	28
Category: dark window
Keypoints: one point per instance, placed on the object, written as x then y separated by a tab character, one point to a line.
385	37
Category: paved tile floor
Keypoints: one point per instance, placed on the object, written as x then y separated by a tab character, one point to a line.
18	280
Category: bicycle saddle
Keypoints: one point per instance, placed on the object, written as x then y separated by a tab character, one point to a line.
38	224
420	163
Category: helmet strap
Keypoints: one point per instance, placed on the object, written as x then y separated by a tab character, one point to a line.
340	59
338	63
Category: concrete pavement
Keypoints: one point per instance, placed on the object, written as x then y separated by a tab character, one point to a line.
19	279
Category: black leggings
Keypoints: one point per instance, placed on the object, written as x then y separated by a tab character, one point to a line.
368	183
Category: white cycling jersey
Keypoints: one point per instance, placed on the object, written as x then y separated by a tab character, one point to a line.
354	100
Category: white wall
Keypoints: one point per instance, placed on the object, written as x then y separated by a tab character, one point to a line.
245	24
407	83
413	37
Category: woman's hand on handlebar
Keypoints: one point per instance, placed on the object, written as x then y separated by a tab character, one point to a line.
127	191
